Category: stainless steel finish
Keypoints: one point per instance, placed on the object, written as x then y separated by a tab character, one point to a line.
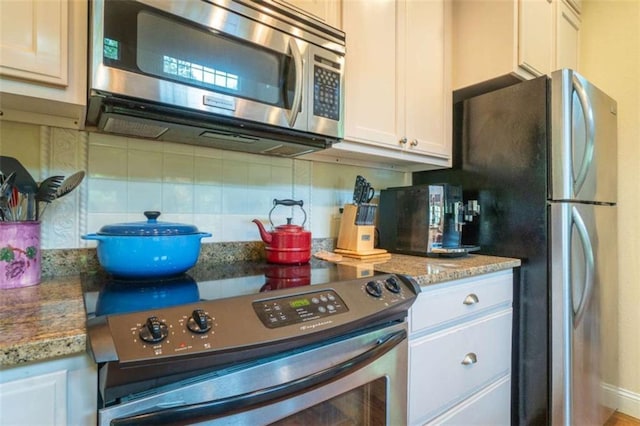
199	116
470	358
297	98
392	365
583	312
583	151
583	232
403	140
471	299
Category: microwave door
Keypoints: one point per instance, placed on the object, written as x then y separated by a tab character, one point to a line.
208	60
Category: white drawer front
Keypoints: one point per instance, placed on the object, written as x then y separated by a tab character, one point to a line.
441	304
438	378
491	406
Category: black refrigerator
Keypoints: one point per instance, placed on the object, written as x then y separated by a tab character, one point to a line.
540	158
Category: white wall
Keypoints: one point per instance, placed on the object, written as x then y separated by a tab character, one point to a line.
610	58
219	191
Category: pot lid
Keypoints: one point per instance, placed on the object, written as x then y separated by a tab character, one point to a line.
150	228
289	227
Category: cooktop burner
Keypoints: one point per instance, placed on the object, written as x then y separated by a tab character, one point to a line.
107	295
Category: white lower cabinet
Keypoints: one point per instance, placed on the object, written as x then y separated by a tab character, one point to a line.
58	392
460	352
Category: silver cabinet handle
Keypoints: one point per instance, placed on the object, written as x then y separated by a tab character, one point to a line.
469	359
471	299
414	142
403	141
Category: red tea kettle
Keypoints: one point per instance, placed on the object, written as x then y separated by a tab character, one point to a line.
287	244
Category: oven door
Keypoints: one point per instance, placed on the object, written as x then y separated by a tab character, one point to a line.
200	56
356	380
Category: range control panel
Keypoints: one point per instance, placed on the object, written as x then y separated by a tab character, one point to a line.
248	321
297	309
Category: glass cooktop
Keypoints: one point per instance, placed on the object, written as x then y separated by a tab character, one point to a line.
108	295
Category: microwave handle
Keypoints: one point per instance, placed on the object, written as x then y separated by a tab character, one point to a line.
297	94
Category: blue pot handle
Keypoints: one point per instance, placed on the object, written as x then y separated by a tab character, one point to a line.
93	237
204	234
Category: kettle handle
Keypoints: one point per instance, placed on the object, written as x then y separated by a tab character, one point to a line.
288	203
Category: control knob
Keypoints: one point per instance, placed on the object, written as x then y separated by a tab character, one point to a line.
392	285
373	288
154	330
199	322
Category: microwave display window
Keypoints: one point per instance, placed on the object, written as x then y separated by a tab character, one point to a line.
140	39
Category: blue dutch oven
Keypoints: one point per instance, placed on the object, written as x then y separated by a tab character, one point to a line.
147	249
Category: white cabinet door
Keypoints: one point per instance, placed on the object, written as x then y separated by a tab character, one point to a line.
457	362
567	37
535	36
46	396
43	61
63	391
33	40
497	38
371	89
424	78
491	406
397	85
327	11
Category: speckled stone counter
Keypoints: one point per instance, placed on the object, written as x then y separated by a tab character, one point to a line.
48	320
42	322
427	270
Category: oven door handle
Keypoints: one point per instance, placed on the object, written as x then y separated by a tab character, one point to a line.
248	401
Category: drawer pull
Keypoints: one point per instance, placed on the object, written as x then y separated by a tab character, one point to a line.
469	359
471	299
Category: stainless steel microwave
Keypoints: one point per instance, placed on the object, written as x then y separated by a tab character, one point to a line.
248	75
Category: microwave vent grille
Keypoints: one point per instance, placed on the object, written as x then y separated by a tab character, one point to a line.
132	128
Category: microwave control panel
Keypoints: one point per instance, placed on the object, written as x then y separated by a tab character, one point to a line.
326	89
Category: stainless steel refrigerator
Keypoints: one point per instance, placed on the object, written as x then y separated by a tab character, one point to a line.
540	157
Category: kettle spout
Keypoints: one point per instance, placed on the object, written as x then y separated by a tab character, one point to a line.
266	236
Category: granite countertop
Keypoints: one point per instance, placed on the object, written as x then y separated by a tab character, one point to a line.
48	320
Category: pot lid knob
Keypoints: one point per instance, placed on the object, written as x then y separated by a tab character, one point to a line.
152	216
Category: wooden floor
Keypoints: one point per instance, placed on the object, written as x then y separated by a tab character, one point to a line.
619	419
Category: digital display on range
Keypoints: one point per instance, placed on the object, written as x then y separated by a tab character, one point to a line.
299	303
298	309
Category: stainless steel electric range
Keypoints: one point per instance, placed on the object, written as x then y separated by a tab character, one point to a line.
248	343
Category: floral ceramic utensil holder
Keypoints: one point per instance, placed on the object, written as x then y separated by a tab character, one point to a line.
20	261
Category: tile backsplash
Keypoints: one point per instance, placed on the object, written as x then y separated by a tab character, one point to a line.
218	191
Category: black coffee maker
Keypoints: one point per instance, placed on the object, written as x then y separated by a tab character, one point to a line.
425	220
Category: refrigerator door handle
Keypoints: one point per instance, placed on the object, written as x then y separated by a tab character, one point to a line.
587	111
583	233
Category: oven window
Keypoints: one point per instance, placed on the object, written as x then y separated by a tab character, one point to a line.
365	405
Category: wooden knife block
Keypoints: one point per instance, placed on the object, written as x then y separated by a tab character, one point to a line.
352	237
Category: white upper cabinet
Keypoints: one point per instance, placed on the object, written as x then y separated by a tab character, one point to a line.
397	85
525	38
43	48
327	11
568	37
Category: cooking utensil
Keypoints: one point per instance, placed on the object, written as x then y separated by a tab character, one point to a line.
24	182
70	183
6	191
147	249
67	185
47	192
287	244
